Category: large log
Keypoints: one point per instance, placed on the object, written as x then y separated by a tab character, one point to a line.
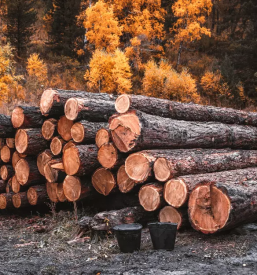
60	193
167	164
6	201
124	182
102	136
42	160
176	191
6	172
6	154
49	128
27	117
136	131
64	128
30	141
20	200
103	181
56	146
53	175
6	128
85	131
51	188
2	186
80	160
184	111
37	195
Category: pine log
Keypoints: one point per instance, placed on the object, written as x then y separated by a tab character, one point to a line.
27	117
56	146
51	188
184	111
10	142
42	160
6	172
75	188
27	173
52	101
20	200
103	181
80	160
89	109
6	128
16	187
6	201
8	187
102	136
124	182
30	141
85	131
64	128
6	154
37	195
49	128
2	186
60	193
2	143
150	196
53	175
136	131
16	157
68	145
176	191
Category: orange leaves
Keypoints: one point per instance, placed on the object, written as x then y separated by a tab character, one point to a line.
37	68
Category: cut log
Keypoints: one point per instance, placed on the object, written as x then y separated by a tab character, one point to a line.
27	117
85	131
102	136
15	158
52	101
51	188
173	215
20	200
136	131
6	172
10	142
49	128
103	181
150	196
2	186
64	128
89	109
37	195
54	175
176	191
16	187
6	128
109	157
42	160
222	205
124	182
8	186
184	111
6	201
30	141
6	154
27	173
80	160
57	145
60	193
2	143
77	188
68	145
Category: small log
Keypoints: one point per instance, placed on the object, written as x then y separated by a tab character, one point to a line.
103	181
2	186
27	117
57	145
6	201
124	182
49	128
20	200
6	172
6	128
30	141
8	186
42	160
6	154
64	128
51	188
10	142
16	157
89	109
85	131
54	175
136	131
150	196
80	160
60	193
102	136
37	195
16	187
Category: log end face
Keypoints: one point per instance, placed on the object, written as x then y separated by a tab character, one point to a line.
42	160
71	161
46	101
21	141
32	196
102	137
107	155
72	188
71	109
16	200
103	181
3	202
64	128
22	171
122	103
48	129
15	185
4	172
56	146
149	198
175	192
51	189
60	193
170	214
17	117
162	171
77	132
125	183
51	175
5	154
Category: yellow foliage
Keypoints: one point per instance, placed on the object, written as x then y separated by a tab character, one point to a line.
80	52
37	68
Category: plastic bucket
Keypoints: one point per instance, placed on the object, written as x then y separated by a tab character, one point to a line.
163	235
128	237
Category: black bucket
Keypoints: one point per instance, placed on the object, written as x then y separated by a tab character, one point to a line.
163	234
128	236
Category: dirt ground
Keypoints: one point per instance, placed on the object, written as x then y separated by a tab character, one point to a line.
37	243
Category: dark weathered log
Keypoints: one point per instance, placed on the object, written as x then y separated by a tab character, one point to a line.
30	141
85	131
57	145
80	160
10	142
221	205
103	181
27	173
42	160
20	200
89	109
6	172
49	128
53	175
2	186
124	182
8	187
102	136
6	201
52	101
6	128
27	117
64	128
2	143
6	154
136	131
184	111
60	193
177	190
37	195
51	188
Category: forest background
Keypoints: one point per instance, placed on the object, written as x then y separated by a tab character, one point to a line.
202	51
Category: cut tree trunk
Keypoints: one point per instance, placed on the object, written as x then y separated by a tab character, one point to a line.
2	143
30	141
27	117
6	128
68	145
16	186
89	109
57	145
136	131
16	157
85	131
52	101
64	128
20	200
102	136
150	196
60	193
184	111
176	191
124	182
103	181
51	188
6	201
6	172
37	195
53	175
42	160
80	160
10	142
6	154
2	186
49	128
8	187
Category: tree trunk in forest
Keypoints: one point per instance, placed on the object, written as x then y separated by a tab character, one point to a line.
6	201
6	128
6	154
6	172
103	181
37	195
57	145
10	142
49	128
51	188
54	175
64	128
124	182
42	160
20	200
102	136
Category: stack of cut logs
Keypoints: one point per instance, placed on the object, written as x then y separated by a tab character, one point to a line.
192	164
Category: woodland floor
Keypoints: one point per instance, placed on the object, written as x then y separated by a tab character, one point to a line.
37	244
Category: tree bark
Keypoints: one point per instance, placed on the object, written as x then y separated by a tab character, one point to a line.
2	186
102	136
103	181
6	128
37	195
57	145
6	154
6	201
49	128
42	160
51	188
8	187
2	143
6	172
137	131
124	182
20	200
54	175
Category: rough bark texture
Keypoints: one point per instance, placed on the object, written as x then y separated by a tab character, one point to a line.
20	200
137	131
6	154
2	186
37	195
49	128
6	172
102	136
54	175
6	128
185	111
103	181
6	201
56	145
